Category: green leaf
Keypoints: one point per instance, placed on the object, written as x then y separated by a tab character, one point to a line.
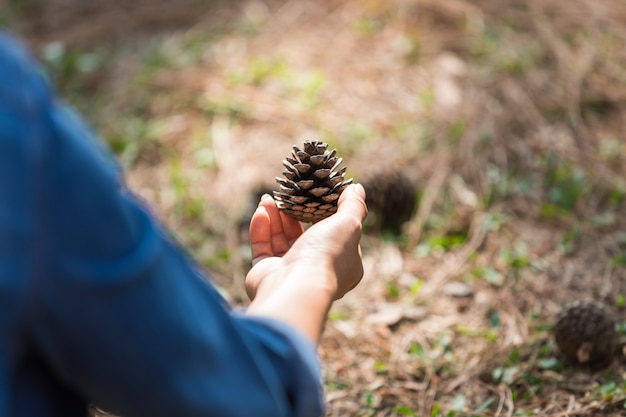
416	286
393	289
493	276
608	388
458	403
619	260
549	363
417	349
405	411
484	406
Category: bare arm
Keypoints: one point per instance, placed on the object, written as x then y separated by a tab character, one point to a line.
297	275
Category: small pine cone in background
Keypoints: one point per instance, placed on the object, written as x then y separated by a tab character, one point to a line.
391	200
585	333
312	183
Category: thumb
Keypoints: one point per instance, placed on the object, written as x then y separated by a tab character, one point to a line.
352	202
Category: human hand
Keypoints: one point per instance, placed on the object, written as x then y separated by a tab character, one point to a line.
297	274
279	243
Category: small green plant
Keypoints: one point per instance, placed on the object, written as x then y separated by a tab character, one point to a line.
413	47
617	195
611	391
336	385
403	410
337	315
415	288
440	243
550	364
71	67
458	403
564	185
175	52
417	349
485	406
532	384
488	335
521	54
444	344
610	148
187	206
358	132
489	274
381	367
393	289
567	244
310	88
131	135
434	412
524	413
619	260
514	258
259	71
456	131
366	26
506	374
503	185
370	404
205	157
494	221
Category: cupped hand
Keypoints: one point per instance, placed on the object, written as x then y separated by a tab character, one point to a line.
327	255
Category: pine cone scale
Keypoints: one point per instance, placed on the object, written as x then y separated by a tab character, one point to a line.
330	198
317	159
305	184
319	191
320	174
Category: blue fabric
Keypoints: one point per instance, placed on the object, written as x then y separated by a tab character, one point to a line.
98	304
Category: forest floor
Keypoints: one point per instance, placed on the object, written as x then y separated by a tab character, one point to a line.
507	117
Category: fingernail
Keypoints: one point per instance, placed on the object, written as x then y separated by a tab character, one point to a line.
267	197
359	189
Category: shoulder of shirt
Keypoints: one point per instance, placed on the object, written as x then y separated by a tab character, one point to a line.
13	52
18	67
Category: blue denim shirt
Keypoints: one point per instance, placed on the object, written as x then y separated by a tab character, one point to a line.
98	304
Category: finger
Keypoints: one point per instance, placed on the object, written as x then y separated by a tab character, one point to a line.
352	202
292	228
260	235
272	210
278	238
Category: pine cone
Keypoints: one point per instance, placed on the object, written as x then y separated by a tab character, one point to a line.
585	333
391	199
312	183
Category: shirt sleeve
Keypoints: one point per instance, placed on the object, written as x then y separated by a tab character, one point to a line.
117	310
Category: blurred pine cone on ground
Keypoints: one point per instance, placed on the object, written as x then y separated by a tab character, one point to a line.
585	333
312	182
391	200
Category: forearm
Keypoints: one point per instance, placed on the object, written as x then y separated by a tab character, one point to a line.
302	299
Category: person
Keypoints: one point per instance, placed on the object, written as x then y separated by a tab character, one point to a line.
98	304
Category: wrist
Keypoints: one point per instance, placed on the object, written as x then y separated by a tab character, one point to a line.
298	296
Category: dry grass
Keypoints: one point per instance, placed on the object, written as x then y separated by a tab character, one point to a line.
509	118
